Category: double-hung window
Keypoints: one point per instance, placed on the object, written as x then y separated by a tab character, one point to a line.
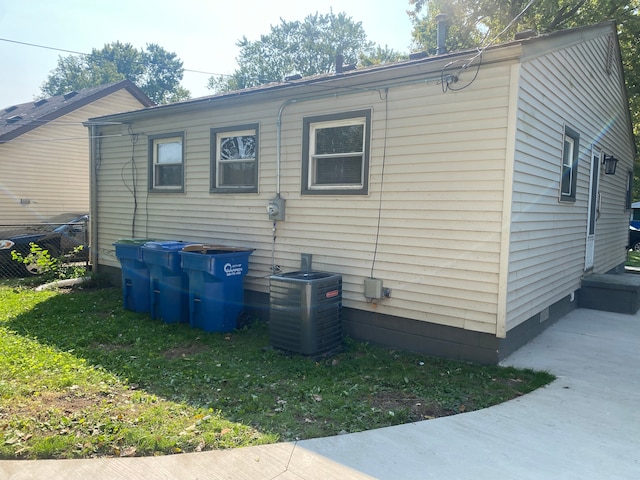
166	162
335	156
234	159
569	174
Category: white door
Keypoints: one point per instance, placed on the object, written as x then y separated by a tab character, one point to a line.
593	208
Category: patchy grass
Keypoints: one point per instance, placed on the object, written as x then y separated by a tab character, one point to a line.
81	377
633	259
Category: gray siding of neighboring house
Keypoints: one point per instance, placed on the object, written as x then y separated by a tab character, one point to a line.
565	86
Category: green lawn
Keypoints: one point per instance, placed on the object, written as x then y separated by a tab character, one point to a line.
81	377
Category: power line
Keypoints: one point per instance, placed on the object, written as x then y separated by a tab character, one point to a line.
42	46
87	54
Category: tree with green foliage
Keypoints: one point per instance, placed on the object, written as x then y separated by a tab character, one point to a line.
474	23
157	72
307	47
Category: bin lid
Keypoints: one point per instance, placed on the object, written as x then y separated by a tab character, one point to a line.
214	249
133	241
166	245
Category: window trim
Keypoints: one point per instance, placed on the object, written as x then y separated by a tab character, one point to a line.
213	138
153	139
573	167
308	122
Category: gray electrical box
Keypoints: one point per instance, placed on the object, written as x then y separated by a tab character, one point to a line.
275	209
372	288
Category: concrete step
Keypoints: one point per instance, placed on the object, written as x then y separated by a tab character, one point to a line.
618	293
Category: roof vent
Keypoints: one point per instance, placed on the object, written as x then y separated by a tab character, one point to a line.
291	78
69	95
525	34
14	119
40	102
10	109
418	55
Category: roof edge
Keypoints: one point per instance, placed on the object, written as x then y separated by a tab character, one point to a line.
125	84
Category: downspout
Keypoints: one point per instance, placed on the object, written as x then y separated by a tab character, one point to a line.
93	197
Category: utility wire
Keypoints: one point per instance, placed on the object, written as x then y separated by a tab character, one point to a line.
88	54
59	139
448	80
42	46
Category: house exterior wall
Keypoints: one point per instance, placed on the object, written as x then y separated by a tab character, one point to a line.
436	183
568	85
462	219
48	167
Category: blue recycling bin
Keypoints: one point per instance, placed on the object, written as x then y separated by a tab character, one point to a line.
168	283
216	285
135	274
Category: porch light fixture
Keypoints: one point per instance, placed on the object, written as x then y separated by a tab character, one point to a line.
610	162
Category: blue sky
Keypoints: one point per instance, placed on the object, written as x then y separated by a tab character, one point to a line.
202	33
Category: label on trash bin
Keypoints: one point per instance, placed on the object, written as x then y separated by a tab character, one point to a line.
231	269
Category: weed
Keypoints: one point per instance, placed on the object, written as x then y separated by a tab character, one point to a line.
40	261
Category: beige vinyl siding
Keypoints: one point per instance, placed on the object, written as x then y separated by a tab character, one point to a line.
49	165
565	87
441	206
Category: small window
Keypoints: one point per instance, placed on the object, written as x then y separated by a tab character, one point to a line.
234	159
569	175
336	154
166	162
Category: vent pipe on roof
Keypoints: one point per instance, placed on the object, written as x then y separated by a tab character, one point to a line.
441	35
339	63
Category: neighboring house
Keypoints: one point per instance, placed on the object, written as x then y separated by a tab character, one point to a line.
471	184
44	150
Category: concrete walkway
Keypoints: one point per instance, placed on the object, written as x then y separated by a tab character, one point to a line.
585	425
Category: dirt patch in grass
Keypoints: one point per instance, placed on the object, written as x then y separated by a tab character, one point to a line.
109	347
68	403
184	351
414	407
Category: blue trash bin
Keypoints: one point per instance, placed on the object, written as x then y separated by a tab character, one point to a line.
135	274
168	283
216	285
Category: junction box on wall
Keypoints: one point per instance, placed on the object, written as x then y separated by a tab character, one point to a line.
374	290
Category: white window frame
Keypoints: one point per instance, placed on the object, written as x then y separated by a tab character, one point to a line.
311	158
154	162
